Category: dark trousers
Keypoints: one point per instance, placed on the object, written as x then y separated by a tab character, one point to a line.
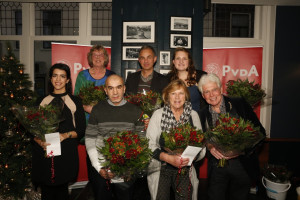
231	181
104	190
59	192
169	180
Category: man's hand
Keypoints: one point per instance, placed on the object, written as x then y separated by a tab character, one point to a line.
87	108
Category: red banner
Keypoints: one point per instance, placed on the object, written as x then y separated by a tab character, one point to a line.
75	56
233	64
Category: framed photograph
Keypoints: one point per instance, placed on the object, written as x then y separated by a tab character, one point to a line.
131	52
129	71
164	58
181	24
138	32
164	71
180	40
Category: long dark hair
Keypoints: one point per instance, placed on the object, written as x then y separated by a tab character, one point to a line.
191	78
64	67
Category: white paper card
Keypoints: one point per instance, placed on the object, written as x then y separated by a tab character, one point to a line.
117	180
54	147
191	152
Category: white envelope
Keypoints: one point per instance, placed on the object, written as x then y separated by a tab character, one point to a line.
54	148
191	152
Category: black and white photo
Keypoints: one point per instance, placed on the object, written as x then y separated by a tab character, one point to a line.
131	52
138	32
129	71
181	24
164	58
180	40
164	71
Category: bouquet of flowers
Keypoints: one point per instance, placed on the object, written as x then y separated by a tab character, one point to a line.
126	154
91	94
250	91
232	136
39	120
276	173
178	138
148	102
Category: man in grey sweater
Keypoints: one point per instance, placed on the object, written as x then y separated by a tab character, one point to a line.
108	117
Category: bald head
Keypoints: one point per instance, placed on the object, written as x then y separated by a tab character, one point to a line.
115	88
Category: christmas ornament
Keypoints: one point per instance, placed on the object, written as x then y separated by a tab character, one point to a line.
9	133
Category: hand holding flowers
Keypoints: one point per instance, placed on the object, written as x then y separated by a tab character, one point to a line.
126	154
232	137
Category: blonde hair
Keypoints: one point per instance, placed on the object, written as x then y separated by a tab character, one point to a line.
97	48
171	87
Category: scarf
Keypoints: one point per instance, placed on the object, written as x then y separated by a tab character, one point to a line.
168	120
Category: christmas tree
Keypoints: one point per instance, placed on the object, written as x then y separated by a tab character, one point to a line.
15	153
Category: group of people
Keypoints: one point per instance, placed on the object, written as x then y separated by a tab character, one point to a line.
189	96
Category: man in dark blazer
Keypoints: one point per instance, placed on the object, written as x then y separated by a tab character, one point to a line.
146	79
236	178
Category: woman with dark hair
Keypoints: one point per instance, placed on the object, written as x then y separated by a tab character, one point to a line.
183	68
64	168
97	73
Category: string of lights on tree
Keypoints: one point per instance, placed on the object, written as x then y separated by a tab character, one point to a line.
15	142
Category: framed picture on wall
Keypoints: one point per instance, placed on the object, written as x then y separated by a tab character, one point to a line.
130	52
129	71
181	24
164	58
164	71
138	32
180	40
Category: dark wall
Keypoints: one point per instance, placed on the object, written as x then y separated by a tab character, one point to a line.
285	119
160	12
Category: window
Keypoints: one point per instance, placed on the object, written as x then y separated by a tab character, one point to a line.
101	18
228	20
52	22
10	18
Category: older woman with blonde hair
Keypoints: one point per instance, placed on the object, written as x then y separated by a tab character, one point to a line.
176	111
98	60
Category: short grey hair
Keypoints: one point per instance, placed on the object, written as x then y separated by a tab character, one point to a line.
209	78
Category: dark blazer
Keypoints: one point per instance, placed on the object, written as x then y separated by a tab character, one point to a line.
236	107
158	83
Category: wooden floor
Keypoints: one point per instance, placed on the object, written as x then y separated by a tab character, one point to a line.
87	194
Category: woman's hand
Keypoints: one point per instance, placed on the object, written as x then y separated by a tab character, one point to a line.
175	160
146	123
106	174
218	155
87	108
41	143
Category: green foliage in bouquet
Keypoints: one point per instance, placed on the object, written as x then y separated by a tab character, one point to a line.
250	91
180	137
232	136
39	120
91	94
148	102
126	154
276	173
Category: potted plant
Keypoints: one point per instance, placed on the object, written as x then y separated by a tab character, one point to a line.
276	180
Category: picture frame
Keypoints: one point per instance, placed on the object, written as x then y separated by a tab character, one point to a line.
130	52
164	71
181	24
180	40
129	71
164	57
139	32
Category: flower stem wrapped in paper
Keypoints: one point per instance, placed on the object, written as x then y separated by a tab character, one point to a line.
179	138
252	93
126	154
39	120
233	136
91	94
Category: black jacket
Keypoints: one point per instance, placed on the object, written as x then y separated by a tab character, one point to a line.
236	107
158	83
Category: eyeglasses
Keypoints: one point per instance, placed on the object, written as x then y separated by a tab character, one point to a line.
98	54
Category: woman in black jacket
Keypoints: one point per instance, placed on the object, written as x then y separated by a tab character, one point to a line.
53	175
